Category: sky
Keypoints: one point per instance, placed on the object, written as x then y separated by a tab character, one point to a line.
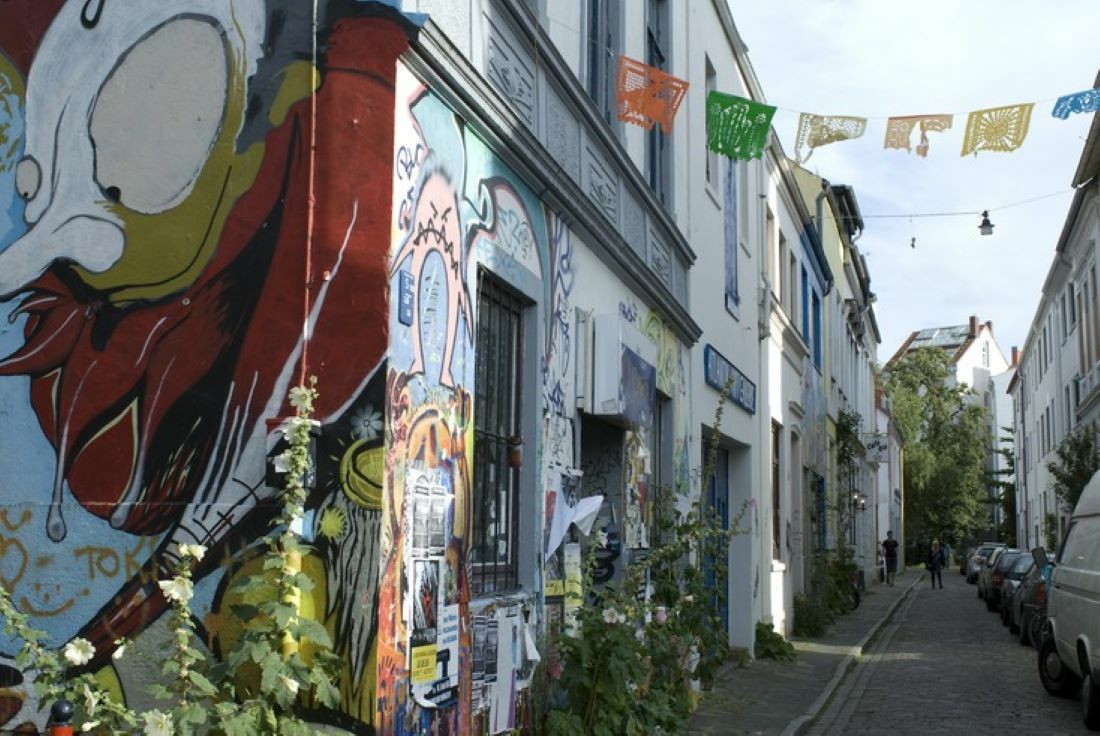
877	59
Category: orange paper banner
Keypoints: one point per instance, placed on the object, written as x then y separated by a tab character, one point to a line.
647	95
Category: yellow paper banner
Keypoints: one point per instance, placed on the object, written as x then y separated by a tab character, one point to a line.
899	131
997	129
820	130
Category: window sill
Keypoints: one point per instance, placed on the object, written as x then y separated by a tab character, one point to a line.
713	194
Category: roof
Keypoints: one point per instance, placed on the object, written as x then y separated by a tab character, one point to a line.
954	339
1089	165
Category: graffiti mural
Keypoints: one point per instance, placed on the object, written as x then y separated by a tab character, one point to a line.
457	210
166	274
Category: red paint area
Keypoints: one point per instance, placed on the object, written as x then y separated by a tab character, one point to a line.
191	359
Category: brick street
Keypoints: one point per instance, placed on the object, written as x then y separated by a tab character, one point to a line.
945	665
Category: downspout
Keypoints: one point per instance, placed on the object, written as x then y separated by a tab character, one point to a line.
819	206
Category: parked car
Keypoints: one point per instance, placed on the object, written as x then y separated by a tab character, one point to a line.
1027	611
985	573
1013	578
964	560
977	560
1069	657
997	572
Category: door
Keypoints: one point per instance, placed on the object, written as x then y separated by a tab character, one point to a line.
717	497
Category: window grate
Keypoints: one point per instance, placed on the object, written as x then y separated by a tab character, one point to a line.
496	418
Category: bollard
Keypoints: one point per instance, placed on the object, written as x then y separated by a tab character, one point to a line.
61	718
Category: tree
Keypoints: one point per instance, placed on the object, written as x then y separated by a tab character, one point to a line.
1077	459
947	443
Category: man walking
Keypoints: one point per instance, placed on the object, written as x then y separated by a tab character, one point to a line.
936	563
890	551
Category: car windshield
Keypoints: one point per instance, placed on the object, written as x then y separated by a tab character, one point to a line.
1023	564
1006	560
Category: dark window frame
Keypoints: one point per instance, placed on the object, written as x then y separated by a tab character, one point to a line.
498	415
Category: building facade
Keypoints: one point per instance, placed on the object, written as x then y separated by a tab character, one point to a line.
1056	389
511	300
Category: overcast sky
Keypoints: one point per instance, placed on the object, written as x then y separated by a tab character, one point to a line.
877	59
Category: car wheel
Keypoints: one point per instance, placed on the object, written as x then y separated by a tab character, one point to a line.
1023	629
1035	630
990	604
1004	613
1090	702
1056	677
1013	626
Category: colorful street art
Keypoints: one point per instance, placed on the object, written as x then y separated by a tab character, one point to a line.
166	274
457	209
180	243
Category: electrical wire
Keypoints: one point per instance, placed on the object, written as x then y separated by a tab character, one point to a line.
960	213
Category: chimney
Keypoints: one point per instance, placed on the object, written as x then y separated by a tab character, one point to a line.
1015	356
989	325
973	325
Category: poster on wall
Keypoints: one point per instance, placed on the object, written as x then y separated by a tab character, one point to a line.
440	689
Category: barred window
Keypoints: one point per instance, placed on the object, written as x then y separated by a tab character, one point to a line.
496	419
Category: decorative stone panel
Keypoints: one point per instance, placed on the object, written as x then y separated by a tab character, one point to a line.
511	72
601	185
563	138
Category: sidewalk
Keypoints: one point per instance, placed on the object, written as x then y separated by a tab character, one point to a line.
768	697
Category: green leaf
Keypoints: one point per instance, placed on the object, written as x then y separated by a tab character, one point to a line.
201	683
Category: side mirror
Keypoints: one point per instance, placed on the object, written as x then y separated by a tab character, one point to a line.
1040	556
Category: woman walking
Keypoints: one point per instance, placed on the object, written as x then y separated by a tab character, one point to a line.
936	563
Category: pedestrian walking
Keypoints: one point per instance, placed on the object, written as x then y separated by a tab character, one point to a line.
890	550
936	563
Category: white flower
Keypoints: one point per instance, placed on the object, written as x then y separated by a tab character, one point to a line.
301	398
89	725
177	589
157	723
196	551
366	424
601	538
689	599
622	618
78	652
290	684
119	652
610	616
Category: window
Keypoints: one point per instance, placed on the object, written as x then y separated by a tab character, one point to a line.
497	413
792	288
985	354
769	237
777	528
733	294
712	157
603	44
658	145
805	306
816	311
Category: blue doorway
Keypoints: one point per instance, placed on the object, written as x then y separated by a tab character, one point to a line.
717	501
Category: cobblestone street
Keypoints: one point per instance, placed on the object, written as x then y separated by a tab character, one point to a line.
946	665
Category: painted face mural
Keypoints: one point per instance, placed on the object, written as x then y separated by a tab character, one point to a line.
160	249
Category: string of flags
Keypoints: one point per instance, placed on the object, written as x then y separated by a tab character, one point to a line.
738	127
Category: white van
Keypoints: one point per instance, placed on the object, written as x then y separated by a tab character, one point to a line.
1070	655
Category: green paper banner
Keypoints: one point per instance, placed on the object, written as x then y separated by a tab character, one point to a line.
737	127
